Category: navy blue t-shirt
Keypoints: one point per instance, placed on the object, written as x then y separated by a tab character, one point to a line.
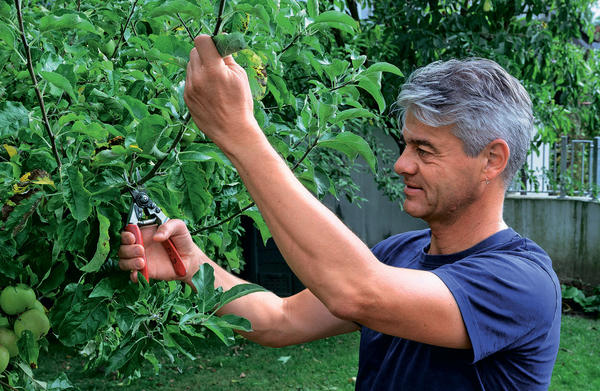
510	302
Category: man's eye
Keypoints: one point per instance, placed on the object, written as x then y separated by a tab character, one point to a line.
422	152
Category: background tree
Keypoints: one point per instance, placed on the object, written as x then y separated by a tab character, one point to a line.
541	43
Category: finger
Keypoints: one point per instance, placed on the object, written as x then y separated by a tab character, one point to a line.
133	264
194	62
171	228
131	251
229	61
133	276
127	238
207	51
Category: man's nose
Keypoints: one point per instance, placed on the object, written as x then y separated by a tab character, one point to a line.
405	165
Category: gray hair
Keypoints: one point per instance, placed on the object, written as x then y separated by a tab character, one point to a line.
479	98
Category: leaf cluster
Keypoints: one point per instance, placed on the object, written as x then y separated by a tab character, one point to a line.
547	45
90	91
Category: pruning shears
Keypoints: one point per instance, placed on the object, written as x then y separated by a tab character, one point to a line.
145	212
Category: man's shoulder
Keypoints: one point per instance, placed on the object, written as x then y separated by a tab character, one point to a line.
518	249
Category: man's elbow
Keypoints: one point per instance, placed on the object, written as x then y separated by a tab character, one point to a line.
352	306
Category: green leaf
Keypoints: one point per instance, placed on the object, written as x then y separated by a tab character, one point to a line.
13	117
238	291
197	196
358	61
60	82
28	348
67	21
351	145
336	19
237	322
174	46
255	215
123	355
94	129
221	329
371	84
173	7
384	67
312	7
83	321
352	113
135	106
77	197
7	35
62	382
102	247
17	219
148	132
204	282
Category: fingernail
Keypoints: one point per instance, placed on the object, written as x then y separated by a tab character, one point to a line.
139	264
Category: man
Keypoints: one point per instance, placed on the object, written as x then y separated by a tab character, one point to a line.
466	305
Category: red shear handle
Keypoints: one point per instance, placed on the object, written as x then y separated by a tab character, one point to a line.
135	230
178	265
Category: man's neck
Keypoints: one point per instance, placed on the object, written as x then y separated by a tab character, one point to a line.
475	224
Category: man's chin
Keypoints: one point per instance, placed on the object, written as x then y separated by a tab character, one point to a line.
413	210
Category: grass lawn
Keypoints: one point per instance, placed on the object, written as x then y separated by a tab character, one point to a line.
322	365
578	362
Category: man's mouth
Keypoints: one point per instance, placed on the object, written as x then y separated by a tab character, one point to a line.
410	188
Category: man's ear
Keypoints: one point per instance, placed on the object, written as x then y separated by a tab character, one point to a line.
495	155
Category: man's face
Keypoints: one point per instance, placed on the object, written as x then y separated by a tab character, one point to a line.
441	180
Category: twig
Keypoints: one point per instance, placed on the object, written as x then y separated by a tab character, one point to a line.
215	225
35	85
78	5
154	169
123	29
219	18
186	27
312	146
250	205
8	385
292	43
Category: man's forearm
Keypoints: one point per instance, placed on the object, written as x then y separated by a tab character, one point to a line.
314	242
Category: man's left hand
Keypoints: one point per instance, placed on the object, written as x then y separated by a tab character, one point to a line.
218	96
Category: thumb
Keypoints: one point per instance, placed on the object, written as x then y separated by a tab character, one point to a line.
173	227
229	61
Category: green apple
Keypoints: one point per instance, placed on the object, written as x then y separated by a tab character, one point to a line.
16	299
4	321
9	339
33	320
4	358
37	305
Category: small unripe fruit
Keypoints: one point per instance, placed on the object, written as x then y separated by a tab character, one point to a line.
4	358
37	305
487	6
33	320
4	321
188	137
229	43
16	299
9	339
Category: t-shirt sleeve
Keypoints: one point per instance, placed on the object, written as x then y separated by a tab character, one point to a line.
505	300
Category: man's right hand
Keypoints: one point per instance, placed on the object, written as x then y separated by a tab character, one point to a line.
131	255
